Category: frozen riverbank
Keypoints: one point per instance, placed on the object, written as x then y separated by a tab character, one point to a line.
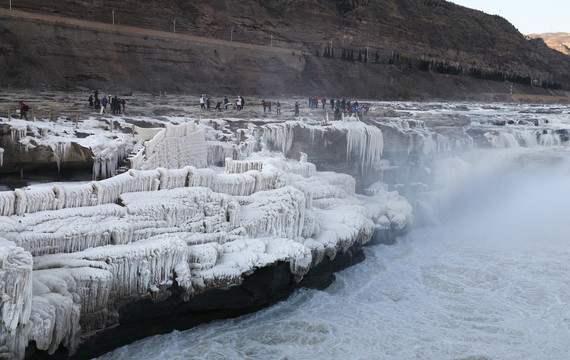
116	262
100	249
95	255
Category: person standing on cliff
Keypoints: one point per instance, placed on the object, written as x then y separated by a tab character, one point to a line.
278	108
23	110
242	102
90	102
324	101
202	102
103	106
296	109
226	102
115	106
208	102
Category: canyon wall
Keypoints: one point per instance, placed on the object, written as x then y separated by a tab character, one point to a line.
372	49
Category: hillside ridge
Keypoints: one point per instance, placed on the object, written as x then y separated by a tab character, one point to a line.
559	41
407	46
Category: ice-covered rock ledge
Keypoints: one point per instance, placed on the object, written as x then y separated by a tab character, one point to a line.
87	267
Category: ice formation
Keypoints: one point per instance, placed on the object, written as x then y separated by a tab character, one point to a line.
174	146
71	254
109	149
1	157
97	245
15	299
106	158
18	132
60	149
363	142
527	138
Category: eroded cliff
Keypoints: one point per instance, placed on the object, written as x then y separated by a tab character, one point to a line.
404	49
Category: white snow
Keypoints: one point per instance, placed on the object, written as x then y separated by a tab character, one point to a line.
72	253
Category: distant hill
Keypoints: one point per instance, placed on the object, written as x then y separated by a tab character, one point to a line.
558	41
369	48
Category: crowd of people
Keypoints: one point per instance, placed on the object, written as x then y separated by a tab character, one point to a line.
339	106
349	108
206	102
116	104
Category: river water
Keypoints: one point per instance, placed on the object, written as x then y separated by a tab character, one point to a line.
489	278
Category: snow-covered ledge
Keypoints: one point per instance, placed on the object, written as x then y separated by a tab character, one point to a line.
148	236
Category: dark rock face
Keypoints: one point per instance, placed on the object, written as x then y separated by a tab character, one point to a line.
264	287
401	49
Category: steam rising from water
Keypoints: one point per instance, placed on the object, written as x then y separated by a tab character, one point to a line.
491	279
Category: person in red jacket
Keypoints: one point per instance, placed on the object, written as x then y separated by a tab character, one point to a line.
23	110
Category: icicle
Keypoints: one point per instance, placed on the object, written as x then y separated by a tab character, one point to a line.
96	168
200	177
363	141
1	157
234	184
280	136
15	298
7	203
76	195
59	150
36	198
174	147
170	179
242	166
219	151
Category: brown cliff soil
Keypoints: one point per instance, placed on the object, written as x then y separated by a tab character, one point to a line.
416	59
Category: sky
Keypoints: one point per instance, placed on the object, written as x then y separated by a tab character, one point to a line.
528	16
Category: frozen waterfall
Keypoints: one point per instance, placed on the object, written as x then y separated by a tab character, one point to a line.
75	252
364	143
